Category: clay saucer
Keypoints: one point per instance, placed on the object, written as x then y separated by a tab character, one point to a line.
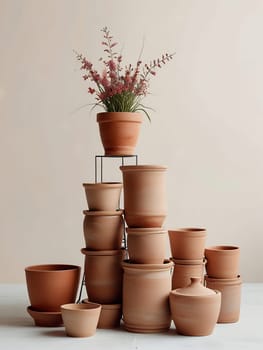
45	318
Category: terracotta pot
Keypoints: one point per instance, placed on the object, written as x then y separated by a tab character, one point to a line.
144	195
119	132
185	269
187	243
222	261
103	275
231	297
104	196
51	285
46	318
80	320
147	245
195	309
110	315
146	290
103	230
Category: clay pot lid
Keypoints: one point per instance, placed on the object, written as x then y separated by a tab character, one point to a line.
103	212
146	167
195	288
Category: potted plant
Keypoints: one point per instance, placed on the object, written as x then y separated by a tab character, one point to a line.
119	91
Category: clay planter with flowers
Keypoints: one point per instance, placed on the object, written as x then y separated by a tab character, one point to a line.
119	91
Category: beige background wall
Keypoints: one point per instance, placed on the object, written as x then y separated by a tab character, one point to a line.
207	125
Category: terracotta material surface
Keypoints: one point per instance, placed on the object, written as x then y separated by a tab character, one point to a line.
222	261
187	243
119	132
195	309
145	202
45	318
185	269
103	230
146	290
231	297
103	275
147	245
81	320
104	196
51	285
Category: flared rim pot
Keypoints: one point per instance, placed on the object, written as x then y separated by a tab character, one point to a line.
106	117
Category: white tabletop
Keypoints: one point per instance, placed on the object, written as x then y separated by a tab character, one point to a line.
17	330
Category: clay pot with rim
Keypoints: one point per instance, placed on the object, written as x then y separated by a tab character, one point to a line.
230	289
146	245
51	285
222	261
103	275
187	243
145	203
104	196
103	230
110	315
119	132
195	309
146	290
81	320
185	269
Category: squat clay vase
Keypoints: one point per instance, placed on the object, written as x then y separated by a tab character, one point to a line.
231	297
147	245
81	320
185	269
110	315
103	196
195	309
51	285
103	230
187	243
146	290
222	261
119	132
144	189
103	275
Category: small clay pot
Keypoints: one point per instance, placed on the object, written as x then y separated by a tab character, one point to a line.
104	196
110	315
103	230
195	309
103	275
146	290
145	203
51	285
231	297
45	318
222	261
187	243
147	245
185	269
80	320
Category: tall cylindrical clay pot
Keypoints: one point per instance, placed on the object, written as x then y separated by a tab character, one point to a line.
145	202
146	290
184	270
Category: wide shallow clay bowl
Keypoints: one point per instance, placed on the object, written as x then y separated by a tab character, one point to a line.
52	285
45	318
81	320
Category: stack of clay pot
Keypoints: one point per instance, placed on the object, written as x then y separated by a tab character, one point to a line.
147	274
187	248
103	228
222	270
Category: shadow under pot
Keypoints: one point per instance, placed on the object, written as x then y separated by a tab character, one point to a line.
51	285
185	269
103	230
230	289
144	187
103	275
146	290
187	243
146	245
103	196
222	261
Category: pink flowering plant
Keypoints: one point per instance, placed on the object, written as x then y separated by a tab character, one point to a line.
118	88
